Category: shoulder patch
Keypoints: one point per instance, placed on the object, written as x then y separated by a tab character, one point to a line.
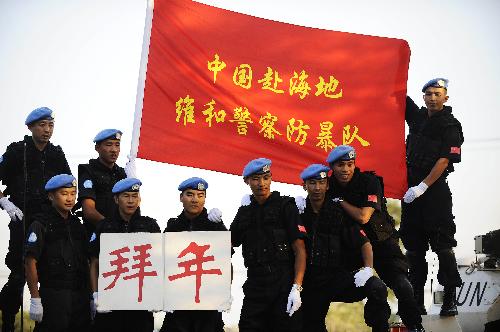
32	238
88	184
93	237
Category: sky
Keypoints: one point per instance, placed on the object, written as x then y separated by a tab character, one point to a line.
82	58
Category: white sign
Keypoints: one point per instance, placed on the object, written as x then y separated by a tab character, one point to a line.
130	271
197	270
170	271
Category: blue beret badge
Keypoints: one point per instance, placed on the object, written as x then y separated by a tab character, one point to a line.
32	238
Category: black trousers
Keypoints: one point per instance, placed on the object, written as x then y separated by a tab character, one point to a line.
429	220
193	321
124	321
392	267
11	293
323	286
265	299
64	310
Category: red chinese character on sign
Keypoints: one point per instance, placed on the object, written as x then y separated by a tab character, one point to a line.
118	262
198	261
142	262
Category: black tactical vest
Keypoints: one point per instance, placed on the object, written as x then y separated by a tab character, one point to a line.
137	224
103	180
264	237
425	140
324	229
381	225
40	166
63	263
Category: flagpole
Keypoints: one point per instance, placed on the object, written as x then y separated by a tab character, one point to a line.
136	130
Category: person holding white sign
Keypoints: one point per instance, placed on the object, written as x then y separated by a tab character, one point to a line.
127	219
56	257
194	217
269	229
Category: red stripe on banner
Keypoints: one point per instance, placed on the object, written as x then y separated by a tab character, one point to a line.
223	88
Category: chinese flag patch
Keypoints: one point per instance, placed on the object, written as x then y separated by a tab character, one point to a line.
455	149
372	198
302	228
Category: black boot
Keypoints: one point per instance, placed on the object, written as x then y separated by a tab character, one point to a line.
449	307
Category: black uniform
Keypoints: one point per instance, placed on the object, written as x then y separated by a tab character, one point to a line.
40	167
429	218
331	242
193	320
59	247
266	233
365	190
121	320
95	181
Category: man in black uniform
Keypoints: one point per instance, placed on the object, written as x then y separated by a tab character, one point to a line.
361	196
126	219
97	178
433	145
25	168
271	234
56	257
331	240
193	217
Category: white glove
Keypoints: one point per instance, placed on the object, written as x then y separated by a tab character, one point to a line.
92	308
415	192
301	203
245	200
215	215
130	169
294	301
362	276
226	306
95	296
36	309
12	210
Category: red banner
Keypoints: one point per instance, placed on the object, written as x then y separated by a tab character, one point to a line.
223	88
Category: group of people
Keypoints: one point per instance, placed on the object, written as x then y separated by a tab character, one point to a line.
338	244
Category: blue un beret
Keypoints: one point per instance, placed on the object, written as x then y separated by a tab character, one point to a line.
193	183
108	134
128	184
257	166
40	113
315	171
60	181
436	83
341	152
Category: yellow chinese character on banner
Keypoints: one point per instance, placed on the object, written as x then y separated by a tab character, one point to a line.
242	118
325	136
271	77
185	107
291	128
216	66
299	85
267	122
209	112
347	137
329	88
243	76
